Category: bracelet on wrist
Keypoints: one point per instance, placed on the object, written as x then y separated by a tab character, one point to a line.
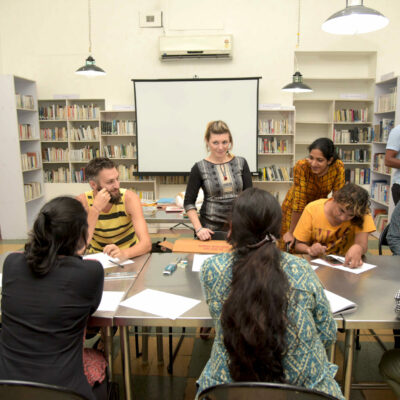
198	230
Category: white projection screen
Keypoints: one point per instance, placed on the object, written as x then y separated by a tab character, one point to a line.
172	116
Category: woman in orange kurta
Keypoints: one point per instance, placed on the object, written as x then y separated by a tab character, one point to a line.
313	178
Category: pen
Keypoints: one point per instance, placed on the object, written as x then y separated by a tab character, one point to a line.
115	263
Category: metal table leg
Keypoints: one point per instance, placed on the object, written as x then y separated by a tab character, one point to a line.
160	348
126	361
332	353
108	350
349	353
145	344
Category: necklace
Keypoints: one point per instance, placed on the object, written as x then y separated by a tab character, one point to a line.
222	167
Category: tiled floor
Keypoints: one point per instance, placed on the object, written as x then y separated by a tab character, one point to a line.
152	381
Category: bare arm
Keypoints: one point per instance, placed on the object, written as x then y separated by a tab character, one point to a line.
134	209
353	256
201	233
288	236
315	250
391	160
100	202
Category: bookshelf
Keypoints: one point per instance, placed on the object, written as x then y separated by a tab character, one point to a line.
118	142
22	177
275	152
70	137
386	116
340	107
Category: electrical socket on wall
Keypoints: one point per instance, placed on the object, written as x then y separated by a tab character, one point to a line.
150	19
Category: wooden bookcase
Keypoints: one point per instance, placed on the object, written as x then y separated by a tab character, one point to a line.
276	150
386	116
22	175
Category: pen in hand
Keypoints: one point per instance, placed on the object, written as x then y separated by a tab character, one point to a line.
115	263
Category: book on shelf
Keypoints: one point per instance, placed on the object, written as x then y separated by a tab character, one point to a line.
379	164
58	133
32	190
383	129
145	195
354	135
59	175
118	127
25	101
126	173
387	102
26	131
359	176
78	112
274	145
356	155
380	190
173	180
273	126
79	176
275	173
29	160
53	112
351	115
120	151
84	133
54	154
84	154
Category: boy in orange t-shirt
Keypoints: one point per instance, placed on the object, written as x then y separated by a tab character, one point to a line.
337	226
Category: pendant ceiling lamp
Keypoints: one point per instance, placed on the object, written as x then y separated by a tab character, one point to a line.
355	19
90	68
297	85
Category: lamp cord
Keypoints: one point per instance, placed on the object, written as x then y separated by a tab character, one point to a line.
90	26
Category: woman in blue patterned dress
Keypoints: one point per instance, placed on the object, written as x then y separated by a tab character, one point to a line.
272	319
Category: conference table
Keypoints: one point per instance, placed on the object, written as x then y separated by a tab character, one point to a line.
163	217
373	291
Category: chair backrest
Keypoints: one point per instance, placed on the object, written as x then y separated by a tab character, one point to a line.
219	235
260	391
382	238
21	390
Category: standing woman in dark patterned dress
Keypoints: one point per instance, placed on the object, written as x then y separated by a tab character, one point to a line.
222	176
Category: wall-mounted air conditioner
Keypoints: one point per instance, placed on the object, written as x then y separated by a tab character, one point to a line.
187	47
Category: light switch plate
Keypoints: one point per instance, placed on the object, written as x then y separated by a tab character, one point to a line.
150	19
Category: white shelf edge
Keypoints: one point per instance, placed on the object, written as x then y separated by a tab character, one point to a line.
275	154
380	202
35	198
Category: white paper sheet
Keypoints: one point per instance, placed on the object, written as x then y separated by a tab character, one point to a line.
109	301
340	304
365	267
314	267
106	260
160	303
198	260
1	280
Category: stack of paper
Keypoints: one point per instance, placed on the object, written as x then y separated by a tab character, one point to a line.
339	304
106	260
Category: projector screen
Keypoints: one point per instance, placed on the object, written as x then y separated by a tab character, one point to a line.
172	116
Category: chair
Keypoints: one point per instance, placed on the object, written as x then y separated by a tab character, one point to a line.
258	390
22	390
382	238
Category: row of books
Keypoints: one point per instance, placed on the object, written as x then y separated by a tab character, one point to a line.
30	160
54	154
120	151
351	115
79	176
85	133
355	135
380	191
383	129
126	172
24	101
53	134
359	176
274	126
355	155
26	131
32	190
72	112
380	218
59	175
86	153
276	173
173	180
379	164
118	127
274	145
145	195
387	102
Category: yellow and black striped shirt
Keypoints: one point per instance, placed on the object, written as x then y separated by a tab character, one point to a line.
113	227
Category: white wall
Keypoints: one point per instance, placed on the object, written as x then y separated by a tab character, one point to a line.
47	40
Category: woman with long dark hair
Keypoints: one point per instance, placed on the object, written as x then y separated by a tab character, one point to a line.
272	319
313	178
47	296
